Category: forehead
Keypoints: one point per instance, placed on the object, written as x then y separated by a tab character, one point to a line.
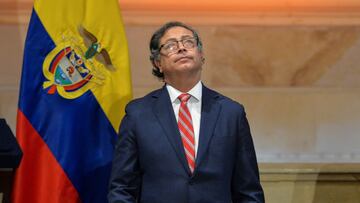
176	33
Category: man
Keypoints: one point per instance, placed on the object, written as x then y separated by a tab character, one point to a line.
183	143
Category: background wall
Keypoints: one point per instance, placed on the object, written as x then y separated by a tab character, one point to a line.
294	65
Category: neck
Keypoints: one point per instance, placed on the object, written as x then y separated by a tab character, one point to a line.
183	83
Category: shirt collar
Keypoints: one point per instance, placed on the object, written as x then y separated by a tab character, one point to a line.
195	92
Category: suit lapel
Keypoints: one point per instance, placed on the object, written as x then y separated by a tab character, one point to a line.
165	115
209	114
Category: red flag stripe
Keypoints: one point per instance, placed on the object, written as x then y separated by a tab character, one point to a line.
39	173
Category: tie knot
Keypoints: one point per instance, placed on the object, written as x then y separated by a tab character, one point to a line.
184	97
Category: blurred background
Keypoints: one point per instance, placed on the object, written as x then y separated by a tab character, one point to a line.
294	65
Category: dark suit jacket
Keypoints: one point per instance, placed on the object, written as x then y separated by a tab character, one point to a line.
10	152
149	164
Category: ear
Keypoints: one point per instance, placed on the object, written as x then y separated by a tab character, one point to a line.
202	57
158	64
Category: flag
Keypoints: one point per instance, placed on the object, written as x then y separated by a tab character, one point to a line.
75	84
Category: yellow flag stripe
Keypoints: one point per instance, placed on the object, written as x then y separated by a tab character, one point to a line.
103	20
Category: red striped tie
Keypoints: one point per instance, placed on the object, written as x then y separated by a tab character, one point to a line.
187	131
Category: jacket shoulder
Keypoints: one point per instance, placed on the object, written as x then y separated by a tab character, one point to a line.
227	102
139	104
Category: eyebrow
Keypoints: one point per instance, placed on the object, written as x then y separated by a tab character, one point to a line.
182	37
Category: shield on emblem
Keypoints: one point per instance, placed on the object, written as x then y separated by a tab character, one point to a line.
69	70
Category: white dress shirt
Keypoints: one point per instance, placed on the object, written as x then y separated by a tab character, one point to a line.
194	106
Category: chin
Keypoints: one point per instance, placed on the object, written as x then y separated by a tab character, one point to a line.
186	68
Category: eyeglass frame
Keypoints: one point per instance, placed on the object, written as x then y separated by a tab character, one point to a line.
178	46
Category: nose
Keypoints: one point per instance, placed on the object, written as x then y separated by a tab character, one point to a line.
181	47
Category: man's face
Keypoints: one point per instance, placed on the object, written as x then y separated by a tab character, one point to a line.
184	60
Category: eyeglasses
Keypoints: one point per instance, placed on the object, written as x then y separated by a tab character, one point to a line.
172	46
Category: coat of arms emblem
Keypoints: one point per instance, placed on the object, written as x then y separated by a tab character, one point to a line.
75	65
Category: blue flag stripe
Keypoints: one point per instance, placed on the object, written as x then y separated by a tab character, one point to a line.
76	130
